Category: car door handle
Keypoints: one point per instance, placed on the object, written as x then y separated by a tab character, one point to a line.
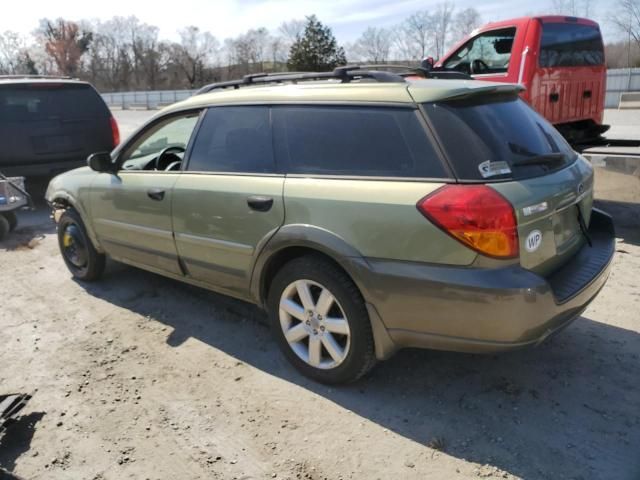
260	203
155	194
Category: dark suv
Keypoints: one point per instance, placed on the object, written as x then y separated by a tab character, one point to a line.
50	124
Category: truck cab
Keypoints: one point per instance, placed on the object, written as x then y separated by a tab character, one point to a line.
559	60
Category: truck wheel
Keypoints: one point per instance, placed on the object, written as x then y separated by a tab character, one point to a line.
79	254
12	218
4	227
320	321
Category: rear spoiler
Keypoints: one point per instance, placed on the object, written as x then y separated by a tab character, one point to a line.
475	91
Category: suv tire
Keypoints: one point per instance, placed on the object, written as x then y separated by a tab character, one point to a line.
77	250
12	218
5	227
329	335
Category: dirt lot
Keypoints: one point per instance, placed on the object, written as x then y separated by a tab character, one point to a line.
142	377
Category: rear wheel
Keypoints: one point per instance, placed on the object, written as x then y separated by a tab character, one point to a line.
4	227
12	218
320	321
79	254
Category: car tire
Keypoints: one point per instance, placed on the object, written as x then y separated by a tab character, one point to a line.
333	348
12	218
5	227
78	252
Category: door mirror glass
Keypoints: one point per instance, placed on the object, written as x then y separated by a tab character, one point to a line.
100	162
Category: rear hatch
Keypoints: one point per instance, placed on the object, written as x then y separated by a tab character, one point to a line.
500	141
48	121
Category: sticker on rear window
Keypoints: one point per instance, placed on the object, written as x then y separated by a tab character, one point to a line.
491	169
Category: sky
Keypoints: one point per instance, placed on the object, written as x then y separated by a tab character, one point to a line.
228	18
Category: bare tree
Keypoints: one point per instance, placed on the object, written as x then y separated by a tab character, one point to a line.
12	50
292	30
414	35
441	23
576	8
65	42
374	45
627	19
195	51
464	22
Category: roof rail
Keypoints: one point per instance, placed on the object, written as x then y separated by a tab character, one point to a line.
344	74
426	73
52	77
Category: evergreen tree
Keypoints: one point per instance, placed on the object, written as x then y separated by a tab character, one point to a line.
316	50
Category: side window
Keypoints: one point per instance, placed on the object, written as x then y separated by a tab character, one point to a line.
359	141
234	139
174	131
488	53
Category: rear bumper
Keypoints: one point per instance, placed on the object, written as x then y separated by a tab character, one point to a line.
48	169
483	310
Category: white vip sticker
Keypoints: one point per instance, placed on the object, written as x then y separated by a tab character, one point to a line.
533	241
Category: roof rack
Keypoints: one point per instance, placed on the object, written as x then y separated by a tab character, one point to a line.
343	74
48	77
425	72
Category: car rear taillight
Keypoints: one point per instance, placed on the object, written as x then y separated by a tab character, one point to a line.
475	215
115	132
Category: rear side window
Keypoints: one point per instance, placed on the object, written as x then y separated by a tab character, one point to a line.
358	141
43	101
498	137
234	139
570	45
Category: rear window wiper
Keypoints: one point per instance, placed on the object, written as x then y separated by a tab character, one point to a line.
540	159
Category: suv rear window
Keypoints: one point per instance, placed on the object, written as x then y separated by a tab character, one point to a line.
358	141
497	137
571	45
40	101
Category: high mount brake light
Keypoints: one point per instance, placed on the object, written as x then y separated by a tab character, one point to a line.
476	215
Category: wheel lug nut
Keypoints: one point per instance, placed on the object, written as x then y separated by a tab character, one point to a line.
322	328
308	322
315	332
319	317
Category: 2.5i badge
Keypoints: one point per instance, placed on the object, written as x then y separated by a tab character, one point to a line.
533	241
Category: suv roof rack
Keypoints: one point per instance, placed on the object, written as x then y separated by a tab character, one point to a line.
51	77
408	70
345	74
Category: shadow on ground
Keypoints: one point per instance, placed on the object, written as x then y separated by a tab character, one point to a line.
567	409
16	440
626	217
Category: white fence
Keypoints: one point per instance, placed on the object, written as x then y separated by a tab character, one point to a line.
149	100
621	80
618	81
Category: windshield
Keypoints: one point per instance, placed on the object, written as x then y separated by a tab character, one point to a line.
497	137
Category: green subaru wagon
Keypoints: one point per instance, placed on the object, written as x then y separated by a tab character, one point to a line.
364	211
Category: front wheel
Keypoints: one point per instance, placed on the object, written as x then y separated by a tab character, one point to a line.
320	321
79	254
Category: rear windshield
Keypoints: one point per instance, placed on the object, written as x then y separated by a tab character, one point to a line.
357	141
497	138
42	101
570	45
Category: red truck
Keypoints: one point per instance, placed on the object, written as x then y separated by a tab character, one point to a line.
560	61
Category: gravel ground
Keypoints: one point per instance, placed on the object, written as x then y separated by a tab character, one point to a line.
139	376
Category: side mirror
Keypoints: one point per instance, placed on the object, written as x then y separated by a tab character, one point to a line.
100	162
427	63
